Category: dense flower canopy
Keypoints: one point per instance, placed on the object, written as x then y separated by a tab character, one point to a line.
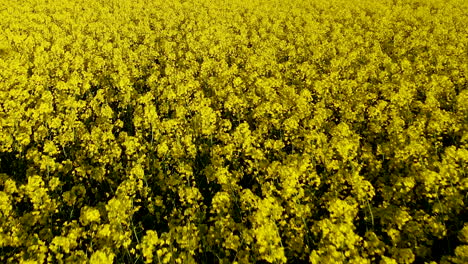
234	131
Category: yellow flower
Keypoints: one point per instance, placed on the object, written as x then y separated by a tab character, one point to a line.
89	215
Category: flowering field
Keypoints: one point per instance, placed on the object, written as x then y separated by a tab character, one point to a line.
234	131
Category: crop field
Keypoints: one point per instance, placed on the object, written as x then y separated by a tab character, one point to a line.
234	131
